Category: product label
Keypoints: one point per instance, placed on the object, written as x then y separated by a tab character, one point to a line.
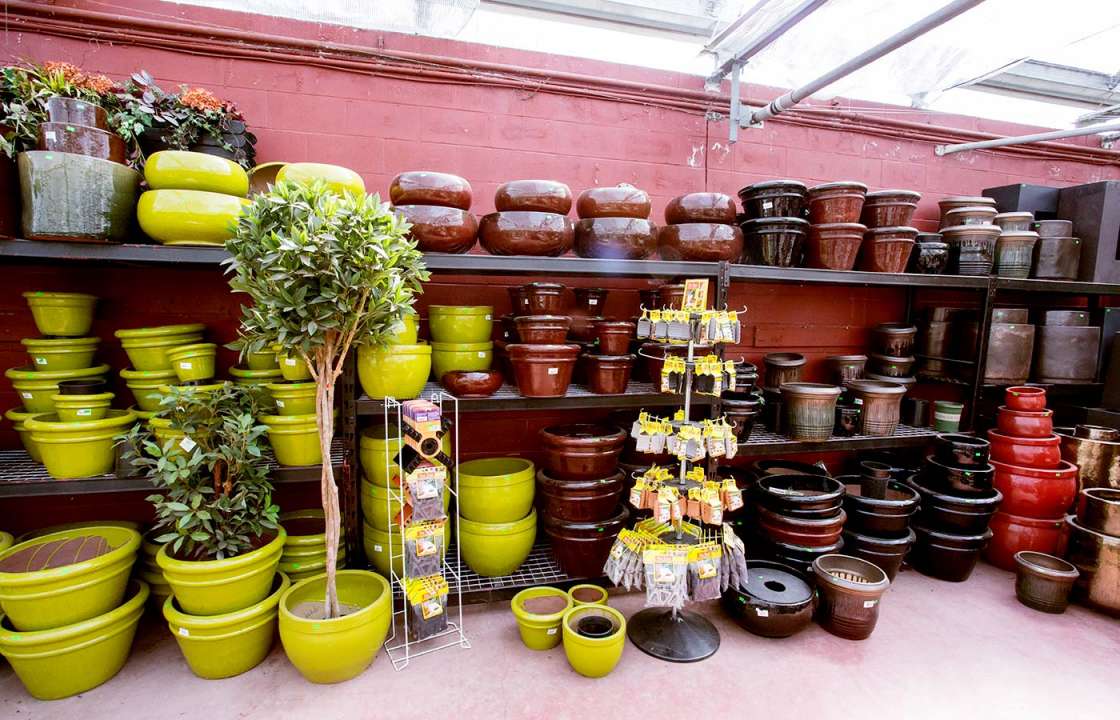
553	371
592	301
40	361
762	612
25	395
378	548
767	204
481	353
49	134
185	365
550	631
870	603
489	317
290	362
184	632
279	403
85	412
188	444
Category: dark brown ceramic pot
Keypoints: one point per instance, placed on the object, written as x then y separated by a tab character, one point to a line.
440	229
885	517
885	553
956	513
583	327
844	368
960	450
671	295
802	496
518	301
972	248
701	207
929	258
957	201
1043	582
850	591
544	298
930	237
1014	221
526	233
81	140
970	215
741	410
543	329
420	187
946	556
582	548
891	365
894	338
1056	258
608	374
509	328
810	409
1010	349
546	196
72	111
1066	354
698	241
775	601
580	500
621	201
881	405
1014	253
834	246
889	208
650	298
774	198
948	477
836	202
614	336
1053	228
809	532
781	368
581	451
543	370
615	238
887	248
774	241
590	301
471	384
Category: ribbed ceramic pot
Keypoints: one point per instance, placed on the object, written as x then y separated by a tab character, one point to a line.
886	208
1043	582
850	591
834	246
972	248
782	368
810	409
882	402
1014	253
894	338
845	368
836	202
959	201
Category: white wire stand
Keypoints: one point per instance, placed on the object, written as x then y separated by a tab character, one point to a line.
402	650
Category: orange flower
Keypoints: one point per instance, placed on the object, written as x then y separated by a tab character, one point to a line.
95	83
70	73
200	99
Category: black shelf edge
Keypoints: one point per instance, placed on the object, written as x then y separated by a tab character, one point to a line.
128	252
764	442
855	277
1069	287
508	264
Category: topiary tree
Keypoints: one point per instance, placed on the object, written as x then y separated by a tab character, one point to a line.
325	272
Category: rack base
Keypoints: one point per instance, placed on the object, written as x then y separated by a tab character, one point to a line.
684	637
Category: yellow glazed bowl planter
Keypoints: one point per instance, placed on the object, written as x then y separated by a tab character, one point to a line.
147	347
294	398
262	360
294	439
36	387
408	332
586	594
336	177
398	371
61	314
193	362
78	449
374	449
331	651
189	217
292	367
246	376
539	631
161	428
460	323
50	529
497	489
54	597
82	408
64	661
221	646
61	353
213	587
496	549
17	419
468	357
593	657
182	170
145	386
376	502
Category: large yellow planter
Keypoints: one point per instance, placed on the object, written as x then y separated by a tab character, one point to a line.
468	357
539	631
189	217
593	657
376	502
221	646
497	489
408	333
213	587
294	439
182	170
6	540
17	419
193	362
78	449
145	386
460	323
72	659
36	387
496	549
337	178
82	408
50	529
294	398
61	314
64	595
398	371
147	347
61	353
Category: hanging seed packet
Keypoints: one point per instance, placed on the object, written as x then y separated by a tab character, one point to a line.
423	548
666	569
704	572
427	601
645	327
425	492
734	558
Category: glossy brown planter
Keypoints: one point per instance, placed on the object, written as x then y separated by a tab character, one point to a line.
886	517
929	258
782	367
774	198
622	201
845	368
834	246
836	202
1010	349
518	301
1043	582
889	208
741	410
1056	258
699	241
543	329
958	201
887	248
580	500
608	374
671	295
72	111
543	370
885	553
583	328
894	338
1014	221
81	140
546	196
1066	354
776	601
471	383
420	187
774	241
614	336
544	298
972	248
615	238
890	365
1014	533
1014	252
809	409
882	402
808	532
526	233
581	549
970	215
967	515
946	556
440	229
956	480
702	207
1097	558
964	451
850	591
581	451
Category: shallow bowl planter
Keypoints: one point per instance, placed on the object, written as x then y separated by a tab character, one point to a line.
398	371
61	314
76	198
833	246
147	347
538	611
421	187
526	233
775	601
78	449
61	353
189	217
1043	582
193	362
952	479
970	215
800	495
294	439
81	408
585	594
945	205
850	591
213	587
701	207
453	357
183	170
496	489
703	242
774	198
543	370
497	549
547	196
887	208
964	514
620	201
18	418
615	238
337	178
293	398
145	386
1036	492
593	657
886	517
962	451
472	384
440	229
460	323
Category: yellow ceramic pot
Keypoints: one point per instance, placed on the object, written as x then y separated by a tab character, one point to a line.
17	419
338	178
294	439
61	314
294	398
376	545
407	332
380	508
292	367
193	362
78	449
36	387
147	347
460	323
82	408
496	549
497	489
398	371
586	594
539	631
593	657
61	353
189	217
6	540
182	170
449	357
145	386
263	360
214	587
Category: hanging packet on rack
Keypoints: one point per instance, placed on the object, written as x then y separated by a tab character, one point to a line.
734	559
427	605
704	572
423	548
644	327
425	486
666	569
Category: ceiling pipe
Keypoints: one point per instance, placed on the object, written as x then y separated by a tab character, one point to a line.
1022	139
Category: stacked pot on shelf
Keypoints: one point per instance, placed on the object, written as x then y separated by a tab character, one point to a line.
700	226
878	517
1010	347
605	364
773	223
797	513
305	547
1016	243
1057	254
398	370
438	207
889	239
543	361
1068	348
531	219
967	227
779	368
497	519
194	198
835	233
614	224
892	353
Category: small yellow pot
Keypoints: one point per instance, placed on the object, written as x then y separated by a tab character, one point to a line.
460	323
247	376
593	657
469	357
193	362
17	419
408	332
161	428
496	489
337	178
78	449
294	439
497	549
189	217
145	386
36	387
292	367
263	360
61	314
182	170
214	587
294	398
82	408
398	371
147	347
586	594
61	353
539	631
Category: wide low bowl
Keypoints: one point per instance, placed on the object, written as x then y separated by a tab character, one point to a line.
964	514
61	314
497	549
700	241
337	178
182	170
622	201
526	233
421	187
615	238
78	449
472	383
440	229
398	371
701	207
546	196
189	217
496	489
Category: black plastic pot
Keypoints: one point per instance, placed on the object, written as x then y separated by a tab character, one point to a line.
787	467
887	517
805	493
91	386
946	556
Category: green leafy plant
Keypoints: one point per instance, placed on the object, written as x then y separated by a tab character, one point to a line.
214	500
325	272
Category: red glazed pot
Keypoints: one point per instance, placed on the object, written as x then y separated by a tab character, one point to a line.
1014	533
440	229
543	329
807	532
887	249
615	238
581	451
1025	397
889	208
614	336
836	203
420	187
543	298
1034	492
81	140
543	370
580	500
834	246
621	201
1025	423
608	374
471	383
547	196
700	241
1044	452
702	207
526	233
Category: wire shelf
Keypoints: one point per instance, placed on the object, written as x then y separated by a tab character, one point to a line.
765	441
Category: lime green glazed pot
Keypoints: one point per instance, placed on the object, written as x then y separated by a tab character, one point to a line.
379	508
337	178
78	449
449	357
294	439
497	489
72	659
61	314
496	549
189	217
36	387
81	408
17	419
68	594
61	353
335	650
194	362
145	386
262	360
182	170
539	631
51	529
375	542
374	450
147	347
294	398
292	367
221	646
586	594
6	540
398	371
593	657
161	428
407	333
460	323
213	587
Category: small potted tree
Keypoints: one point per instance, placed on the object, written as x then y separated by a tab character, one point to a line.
326	271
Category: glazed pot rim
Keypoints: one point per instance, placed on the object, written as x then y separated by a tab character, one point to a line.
1016	215
876	387
990	497
615	324
1104	539
619	517
159	331
611	435
797	223
905	380
1091	492
896	485
1018	235
1066	431
765	482
847	358
628	358
837	185
992	230
1025	389
893	230
970	199
971	469
810	388
870	588
920	529
1025	562
794	185
461	310
896	328
933	245
417	207
1036	414
545	479
60	343
567	351
962	438
542	318
892	193
775	565
907	539
784	359
1065	468
801	523
838	227
961	209
540	285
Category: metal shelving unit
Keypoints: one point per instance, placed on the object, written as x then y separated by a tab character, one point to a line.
766	442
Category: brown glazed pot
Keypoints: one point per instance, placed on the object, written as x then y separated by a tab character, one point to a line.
886	517
526	233
844	368
775	601
741	410
1100	510
1056	258
546	196
81	140
882	402
891	366
836	203
518	301
1010	348
543	298
1014	253
543	370
1014	221
887	248
970	215
420	187
834	246
622	201
781	368
702	207
972	248
808	532
774	198
956	201
440	229
471	383
580	500
850	590
589	301
698	241
542	329
581	549
966	515
608	374
774	241
810	409
614	336
671	296
72	111
615	238
1043	582
583	327
1013	315
889	208
1066	354
581	451
1097	557
885	553
894	338
946	556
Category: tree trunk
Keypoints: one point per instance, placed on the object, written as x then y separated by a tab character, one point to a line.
324	414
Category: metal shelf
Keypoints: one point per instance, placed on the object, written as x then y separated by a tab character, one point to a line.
764	442
855	277
517	264
107	252
1072	287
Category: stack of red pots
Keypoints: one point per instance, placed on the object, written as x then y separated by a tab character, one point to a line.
1038	486
542	360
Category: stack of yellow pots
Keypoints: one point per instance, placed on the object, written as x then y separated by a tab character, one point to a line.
305	550
398	370
460	338
195	198
498	522
150	351
147	569
293	430
260	369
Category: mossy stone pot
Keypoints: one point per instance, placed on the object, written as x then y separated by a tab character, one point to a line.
293	398
193	362
71	659
78	449
82	408
61	353
496	549
496	489
59	596
61	314
540	631
294	439
221	646
398	371
467	357
189	217
213	587
460	323
183	170
338	649
36	387
337	178
292	367
262	360
18	419
75	197
593	657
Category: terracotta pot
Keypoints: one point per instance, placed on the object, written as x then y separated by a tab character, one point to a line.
608	374
615	238
543	329
956	201
420	187
1043	582
1036	492
544	298
844	368
775	601
579	500
1024	397
1014	253
836	202
887	248
526	233
929	258
471	383
894	338
885	553
1066	354
1056	258
850	590
1010	348
774	241
741	410
582	451
970	215
702	207
1097	558
1044	452
808	532
72	111
580	548
889	208
774	198
614	336
698	241
891	366
81	140
546	196
543	370
834	246
962	514
946	556
1014	533
1099	510
622	201
882	403
886	517
1025	423
782	368
440	229
972	248
1014	221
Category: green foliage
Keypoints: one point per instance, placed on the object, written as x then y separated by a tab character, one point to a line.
214	499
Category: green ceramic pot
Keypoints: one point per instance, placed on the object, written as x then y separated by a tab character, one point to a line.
263	360
337	178
593	657
408	332
539	631
82	408
294	398
221	646
182	170
460	323
142	415
496	490
59	596
61	353
17	419
158	587
292	368
145	386
304	567
147	347
50	529
61	314
375	542
380	508
6	540
294	439
72	659
189	217
194	362
497	549
947	416
448	357
374	450
214	587
398	371
36	387
67	196
78	449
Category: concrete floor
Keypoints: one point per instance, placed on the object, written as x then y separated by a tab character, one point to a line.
940	650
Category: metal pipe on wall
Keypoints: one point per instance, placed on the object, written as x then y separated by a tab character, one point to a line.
1021	139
